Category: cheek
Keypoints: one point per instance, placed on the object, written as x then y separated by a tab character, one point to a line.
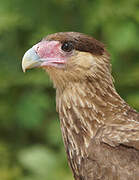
84	60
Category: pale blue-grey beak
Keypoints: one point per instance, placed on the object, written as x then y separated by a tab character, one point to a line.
31	60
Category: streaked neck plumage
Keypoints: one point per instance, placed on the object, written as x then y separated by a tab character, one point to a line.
85	102
84	105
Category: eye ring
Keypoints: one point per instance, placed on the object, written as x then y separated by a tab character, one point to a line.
67	46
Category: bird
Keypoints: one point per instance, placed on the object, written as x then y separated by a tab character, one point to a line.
99	129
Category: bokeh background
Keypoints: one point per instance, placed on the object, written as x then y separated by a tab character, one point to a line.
31	146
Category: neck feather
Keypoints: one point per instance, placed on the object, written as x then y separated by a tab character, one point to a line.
86	101
85	104
84	107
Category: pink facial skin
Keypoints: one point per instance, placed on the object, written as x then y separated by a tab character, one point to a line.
50	53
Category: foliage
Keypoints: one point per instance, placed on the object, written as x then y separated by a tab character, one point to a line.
31	146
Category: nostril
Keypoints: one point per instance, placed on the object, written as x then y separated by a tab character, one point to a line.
37	49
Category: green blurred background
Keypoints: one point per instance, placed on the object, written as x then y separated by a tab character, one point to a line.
31	146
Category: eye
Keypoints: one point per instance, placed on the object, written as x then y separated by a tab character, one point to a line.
67	46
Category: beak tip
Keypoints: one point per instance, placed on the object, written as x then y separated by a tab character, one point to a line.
24	70
23	66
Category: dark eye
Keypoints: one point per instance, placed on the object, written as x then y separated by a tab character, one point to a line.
67	46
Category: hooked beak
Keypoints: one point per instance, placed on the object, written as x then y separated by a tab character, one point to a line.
31	60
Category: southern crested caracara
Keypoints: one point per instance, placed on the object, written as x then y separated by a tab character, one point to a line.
100	130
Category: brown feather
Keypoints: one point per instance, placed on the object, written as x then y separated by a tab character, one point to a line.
100	130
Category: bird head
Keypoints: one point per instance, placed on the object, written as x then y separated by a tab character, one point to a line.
68	56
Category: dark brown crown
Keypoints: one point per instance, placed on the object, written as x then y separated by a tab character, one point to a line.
80	41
